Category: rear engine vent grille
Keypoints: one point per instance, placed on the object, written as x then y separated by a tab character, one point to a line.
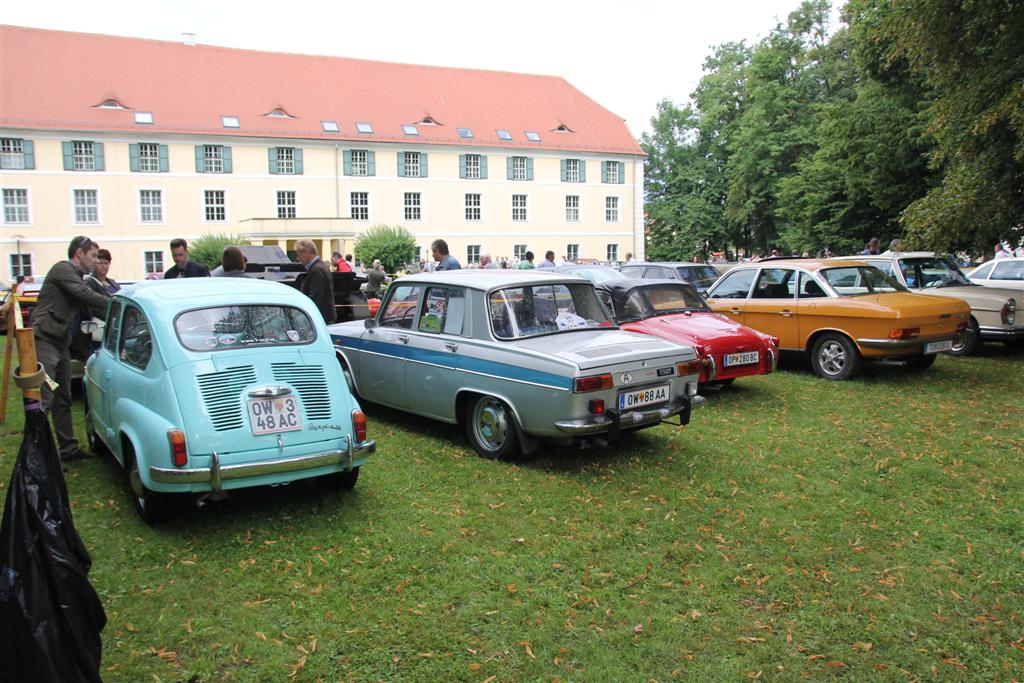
311	383
222	392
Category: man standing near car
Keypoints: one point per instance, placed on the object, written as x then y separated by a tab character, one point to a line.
445	261
318	283
183	267
61	298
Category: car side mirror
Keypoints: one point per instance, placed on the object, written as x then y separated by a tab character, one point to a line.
370	323
90	326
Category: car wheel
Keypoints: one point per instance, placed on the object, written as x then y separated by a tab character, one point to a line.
342	481
834	357
922	362
969	342
491	427
722	383
151	506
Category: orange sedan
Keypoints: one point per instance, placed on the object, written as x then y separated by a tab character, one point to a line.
841	313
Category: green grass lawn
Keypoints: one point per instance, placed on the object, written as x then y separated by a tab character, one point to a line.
871	529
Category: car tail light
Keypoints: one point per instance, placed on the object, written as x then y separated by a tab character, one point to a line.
1009	311
905	333
689	367
775	341
592	383
179	454
359	425
597	406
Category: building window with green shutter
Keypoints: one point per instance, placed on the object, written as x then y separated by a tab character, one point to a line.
87	206
151	206
473	207
519	208
213	159
520	169
359	206
472	166
286	160
572	170
12	154
572	208
83	156
149	157
16	206
613	172
411	164
286	204
413	206
214	206
611	209
359	166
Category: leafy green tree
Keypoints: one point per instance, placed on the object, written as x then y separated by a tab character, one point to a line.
392	244
209	248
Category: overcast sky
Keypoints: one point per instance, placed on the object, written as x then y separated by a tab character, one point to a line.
625	55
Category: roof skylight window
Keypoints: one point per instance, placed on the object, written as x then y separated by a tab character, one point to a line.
410	129
503	134
144	117
532	136
230	122
330	126
364	127
464	133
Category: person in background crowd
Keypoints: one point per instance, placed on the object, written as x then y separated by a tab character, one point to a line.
527	262
318	283
60	302
183	267
795	253
335	258
486	262
776	252
872	248
1019	252
445	261
97	279
375	280
1000	252
629	257
549	260
345	264
232	263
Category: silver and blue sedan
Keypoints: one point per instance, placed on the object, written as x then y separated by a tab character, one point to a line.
514	357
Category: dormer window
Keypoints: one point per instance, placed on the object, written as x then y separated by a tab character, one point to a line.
410	129
279	113
532	136
428	121
364	127
330	126
464	133
230	122
562	128
503	134
110	104
144	117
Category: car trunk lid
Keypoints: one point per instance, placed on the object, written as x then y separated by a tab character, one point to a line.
589	349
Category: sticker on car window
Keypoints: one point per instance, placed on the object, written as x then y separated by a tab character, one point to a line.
293	335
211	342
227	339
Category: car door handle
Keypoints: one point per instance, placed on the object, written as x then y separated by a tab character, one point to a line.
786	313
734	311
403	338
452	347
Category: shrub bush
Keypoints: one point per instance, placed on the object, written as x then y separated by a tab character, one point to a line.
392	244
208	248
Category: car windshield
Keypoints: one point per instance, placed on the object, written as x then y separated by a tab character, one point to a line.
931	271
857	280
232	327
647	302
598	274
532	310
699	276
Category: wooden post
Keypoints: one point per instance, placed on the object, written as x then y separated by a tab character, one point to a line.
8	350
27	360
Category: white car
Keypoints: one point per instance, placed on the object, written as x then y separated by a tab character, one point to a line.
1004	272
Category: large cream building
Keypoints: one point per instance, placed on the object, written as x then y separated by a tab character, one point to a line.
134	142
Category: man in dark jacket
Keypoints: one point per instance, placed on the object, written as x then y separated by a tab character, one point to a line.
61	298
317	283
183	267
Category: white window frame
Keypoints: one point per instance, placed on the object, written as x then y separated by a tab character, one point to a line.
352	206
147	163
470	207
611	213
225	196
74	206
470	256
569	208
519	251
572	170
213	156
12	159
418	206
519	168
278	206
28	206
360	162
163	206
611	252
82	158
12	278
145	254
473	166
286	166
572	252
525	208
408	163
611	171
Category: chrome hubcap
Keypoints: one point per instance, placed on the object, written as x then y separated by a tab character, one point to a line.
832	357
135	481
490	424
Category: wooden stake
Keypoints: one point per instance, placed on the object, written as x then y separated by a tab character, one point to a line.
8	349
27	359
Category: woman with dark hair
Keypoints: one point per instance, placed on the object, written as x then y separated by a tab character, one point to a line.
97	279
233	263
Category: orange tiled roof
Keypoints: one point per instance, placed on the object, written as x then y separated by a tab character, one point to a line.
55	80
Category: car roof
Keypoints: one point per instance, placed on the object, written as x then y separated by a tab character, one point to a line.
813	264
668	264
489	278
626	285
1004	259
887	255
183	293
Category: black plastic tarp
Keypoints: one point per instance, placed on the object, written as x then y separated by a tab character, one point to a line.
50	616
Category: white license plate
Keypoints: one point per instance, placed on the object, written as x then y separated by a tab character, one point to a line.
628	400
274	415
936	347
746	358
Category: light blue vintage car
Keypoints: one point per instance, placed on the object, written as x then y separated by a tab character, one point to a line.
515	356
211	384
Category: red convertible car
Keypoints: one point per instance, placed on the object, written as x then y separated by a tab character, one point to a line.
675	311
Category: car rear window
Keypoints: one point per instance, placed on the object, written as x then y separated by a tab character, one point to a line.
856	280
231	327
529	311
699	276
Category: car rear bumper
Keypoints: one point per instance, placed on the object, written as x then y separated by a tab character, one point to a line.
612	421
711	371
215	474
892	344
